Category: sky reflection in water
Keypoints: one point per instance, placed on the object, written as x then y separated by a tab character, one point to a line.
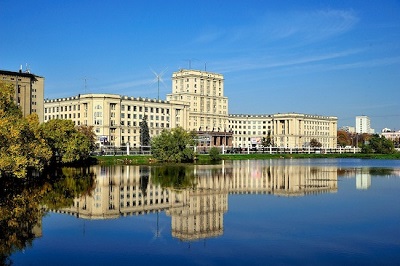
245	212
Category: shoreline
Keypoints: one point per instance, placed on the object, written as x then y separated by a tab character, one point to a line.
205	158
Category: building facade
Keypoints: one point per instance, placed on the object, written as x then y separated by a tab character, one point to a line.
29	91
116	118
348	129
197	103
363	125
203	93
284	130
393	136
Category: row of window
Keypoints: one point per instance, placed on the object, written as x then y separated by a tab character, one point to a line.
151	124
270	121
316	127
140	117
139	203
56	109
62	116
264	133
146	109
5	78
249	122
250	127
181	80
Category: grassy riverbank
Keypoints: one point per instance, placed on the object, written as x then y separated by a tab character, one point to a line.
146	159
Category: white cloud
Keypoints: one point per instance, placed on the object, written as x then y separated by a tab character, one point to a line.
243	64
298	28
377	62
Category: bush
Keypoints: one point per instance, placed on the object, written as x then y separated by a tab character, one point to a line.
173	146
214	154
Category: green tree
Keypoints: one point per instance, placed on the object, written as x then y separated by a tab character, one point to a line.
173	146
268	140
314	143
68	143
90	135
214	154
396	142
21	144
144	132
378	144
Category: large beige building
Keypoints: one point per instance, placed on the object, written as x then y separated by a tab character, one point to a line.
204	94
197	103
29	91
116	118
289	130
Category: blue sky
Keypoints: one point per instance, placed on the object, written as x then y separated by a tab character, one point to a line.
335	58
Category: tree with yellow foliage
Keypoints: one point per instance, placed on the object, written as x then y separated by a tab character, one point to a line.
21	144
67	142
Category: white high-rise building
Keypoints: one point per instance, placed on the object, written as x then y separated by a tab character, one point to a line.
363	125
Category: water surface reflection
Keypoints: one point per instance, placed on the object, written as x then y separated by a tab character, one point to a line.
24	202
195	197
268	208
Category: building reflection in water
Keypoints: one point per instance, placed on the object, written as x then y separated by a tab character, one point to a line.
196	209
363	179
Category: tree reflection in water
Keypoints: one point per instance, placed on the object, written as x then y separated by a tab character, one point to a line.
176	177
24	201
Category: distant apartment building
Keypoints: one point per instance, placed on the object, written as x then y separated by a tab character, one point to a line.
363	125
348	129
197	103
392	135
29	91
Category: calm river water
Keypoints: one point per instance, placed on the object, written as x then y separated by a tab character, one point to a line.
256	212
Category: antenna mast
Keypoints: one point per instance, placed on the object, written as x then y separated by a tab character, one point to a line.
158	78
85	83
